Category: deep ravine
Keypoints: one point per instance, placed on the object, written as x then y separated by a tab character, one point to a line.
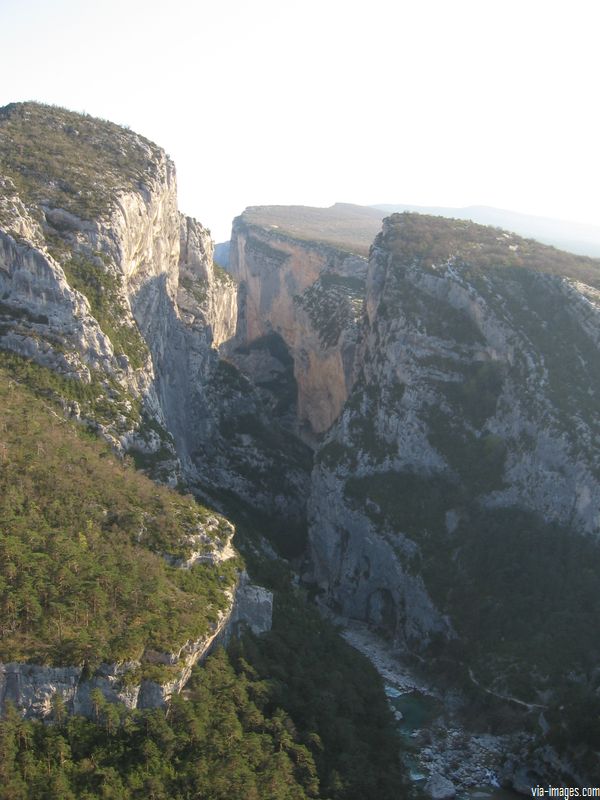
414	426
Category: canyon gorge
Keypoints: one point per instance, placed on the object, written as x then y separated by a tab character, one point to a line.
404	413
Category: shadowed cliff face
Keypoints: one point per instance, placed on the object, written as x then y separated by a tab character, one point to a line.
461	479
458	407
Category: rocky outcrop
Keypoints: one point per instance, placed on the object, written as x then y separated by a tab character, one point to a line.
202	284
440	788
75	295
474	402
116	289
40	311
310	295
364	572
33	689
223	433
253	609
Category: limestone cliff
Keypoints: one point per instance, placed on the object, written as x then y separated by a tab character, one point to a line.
105	282
474	421
224	436
309	294
80	249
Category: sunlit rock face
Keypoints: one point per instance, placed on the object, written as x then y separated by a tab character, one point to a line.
105	282
88	254
310	295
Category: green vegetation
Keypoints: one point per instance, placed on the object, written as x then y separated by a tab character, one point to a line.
368	406
565	357
334	453
14	312
221	274
230	378
269	464
519	591
196	287
475	248
344	227
574	721
155	464
225	741
82	544
426	314
102	400
279	390
256	247
103	285
71	161
367	439
412	503
478	460
294	714
475	396
251	420
528	595
104	290
333	303
336	699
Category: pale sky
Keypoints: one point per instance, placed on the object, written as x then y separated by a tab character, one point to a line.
428	102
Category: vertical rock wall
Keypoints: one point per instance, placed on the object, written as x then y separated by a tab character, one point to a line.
311	296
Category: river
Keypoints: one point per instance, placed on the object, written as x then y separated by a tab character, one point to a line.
434	740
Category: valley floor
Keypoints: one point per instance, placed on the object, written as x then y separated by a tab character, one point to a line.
429	719
389	662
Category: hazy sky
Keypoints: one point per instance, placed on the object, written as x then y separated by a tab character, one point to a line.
449	102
